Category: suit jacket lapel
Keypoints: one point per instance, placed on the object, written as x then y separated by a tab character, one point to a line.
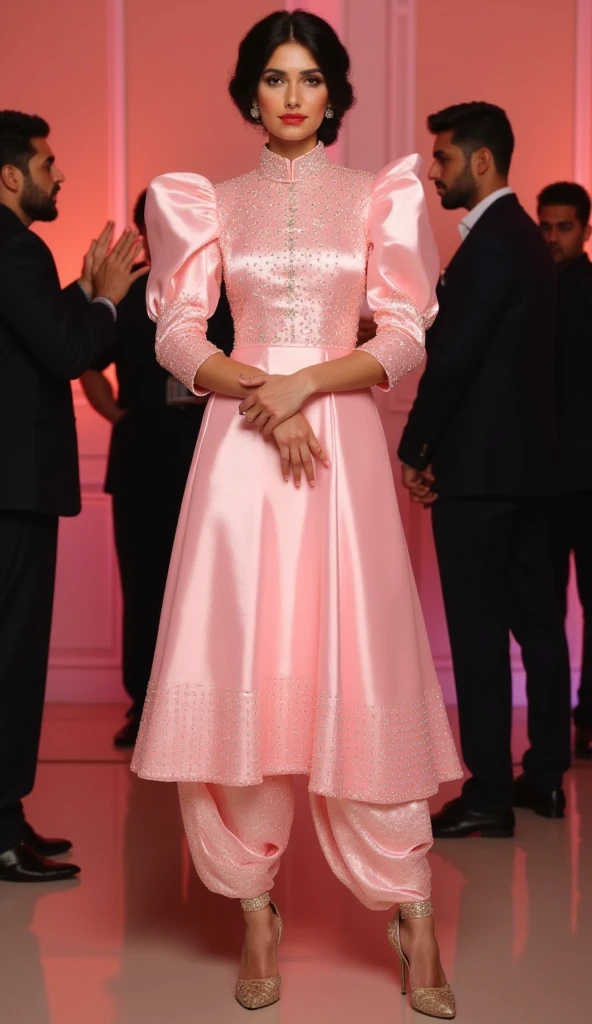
465	247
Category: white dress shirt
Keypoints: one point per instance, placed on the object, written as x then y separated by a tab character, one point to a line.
100	298
468	223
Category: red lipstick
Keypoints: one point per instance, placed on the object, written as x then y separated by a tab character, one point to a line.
293	118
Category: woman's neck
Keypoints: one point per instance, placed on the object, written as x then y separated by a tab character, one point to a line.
291	150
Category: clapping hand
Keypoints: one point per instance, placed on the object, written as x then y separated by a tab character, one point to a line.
94	257
114	276
108	271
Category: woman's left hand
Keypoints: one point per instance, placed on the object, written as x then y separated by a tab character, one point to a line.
276	398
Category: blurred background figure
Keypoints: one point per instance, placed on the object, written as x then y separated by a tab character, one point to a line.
564	215
482	437
156	421
366	327
47	337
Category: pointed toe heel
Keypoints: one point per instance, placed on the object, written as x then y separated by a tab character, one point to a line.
432	1002
255	993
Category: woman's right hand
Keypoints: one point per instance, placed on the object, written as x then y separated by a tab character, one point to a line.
298	449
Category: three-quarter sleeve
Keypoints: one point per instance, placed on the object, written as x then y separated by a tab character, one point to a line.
186	271
403	269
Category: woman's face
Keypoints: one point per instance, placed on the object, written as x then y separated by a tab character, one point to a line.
292	94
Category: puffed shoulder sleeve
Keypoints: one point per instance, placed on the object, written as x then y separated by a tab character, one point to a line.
186	271
403	269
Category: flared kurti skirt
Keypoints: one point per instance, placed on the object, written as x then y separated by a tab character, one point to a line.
291	638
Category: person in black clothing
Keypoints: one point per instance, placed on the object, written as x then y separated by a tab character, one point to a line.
564	216
482	438
155	426
47	337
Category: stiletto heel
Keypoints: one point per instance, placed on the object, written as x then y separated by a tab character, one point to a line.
256	993
433	1002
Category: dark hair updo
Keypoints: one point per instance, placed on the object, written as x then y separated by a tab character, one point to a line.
319	38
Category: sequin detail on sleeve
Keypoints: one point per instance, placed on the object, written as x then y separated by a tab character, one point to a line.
181	343
399	345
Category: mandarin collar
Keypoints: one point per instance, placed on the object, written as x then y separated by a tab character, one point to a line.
279	168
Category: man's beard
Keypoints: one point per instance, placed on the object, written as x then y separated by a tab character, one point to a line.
461	195
36	204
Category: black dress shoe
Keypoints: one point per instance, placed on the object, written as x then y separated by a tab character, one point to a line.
583	744
457	821
22	864
549	803
128	734
45	847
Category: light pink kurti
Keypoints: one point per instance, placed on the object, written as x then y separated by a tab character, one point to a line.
291	638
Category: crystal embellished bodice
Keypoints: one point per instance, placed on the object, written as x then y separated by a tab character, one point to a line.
298	244
294	248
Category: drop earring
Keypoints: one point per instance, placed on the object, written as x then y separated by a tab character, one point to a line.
329	113
255	111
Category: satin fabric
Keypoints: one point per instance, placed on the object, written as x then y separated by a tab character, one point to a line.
298	243
291	638
237	837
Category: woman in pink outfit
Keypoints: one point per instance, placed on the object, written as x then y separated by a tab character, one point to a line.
292	639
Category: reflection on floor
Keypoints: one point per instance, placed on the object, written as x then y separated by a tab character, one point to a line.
140	941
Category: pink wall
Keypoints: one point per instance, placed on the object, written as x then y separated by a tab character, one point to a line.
137	87
179	58
44	71
518	55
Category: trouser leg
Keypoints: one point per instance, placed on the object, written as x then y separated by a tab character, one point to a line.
473	544
583	561
561	546
28	545
237	834
144	533
378	851
538	626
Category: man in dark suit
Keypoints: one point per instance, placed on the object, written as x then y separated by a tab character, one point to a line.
47	337
482	437
156	421
564	216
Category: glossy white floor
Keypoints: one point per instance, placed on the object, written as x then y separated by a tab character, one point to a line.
138	940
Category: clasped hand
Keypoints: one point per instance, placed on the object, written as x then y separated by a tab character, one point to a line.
420	484
275	398
274	409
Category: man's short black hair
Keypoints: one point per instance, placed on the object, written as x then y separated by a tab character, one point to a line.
16	132
567	193
140	211
477	125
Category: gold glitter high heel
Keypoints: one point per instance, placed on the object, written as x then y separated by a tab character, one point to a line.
433	1002
259	992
